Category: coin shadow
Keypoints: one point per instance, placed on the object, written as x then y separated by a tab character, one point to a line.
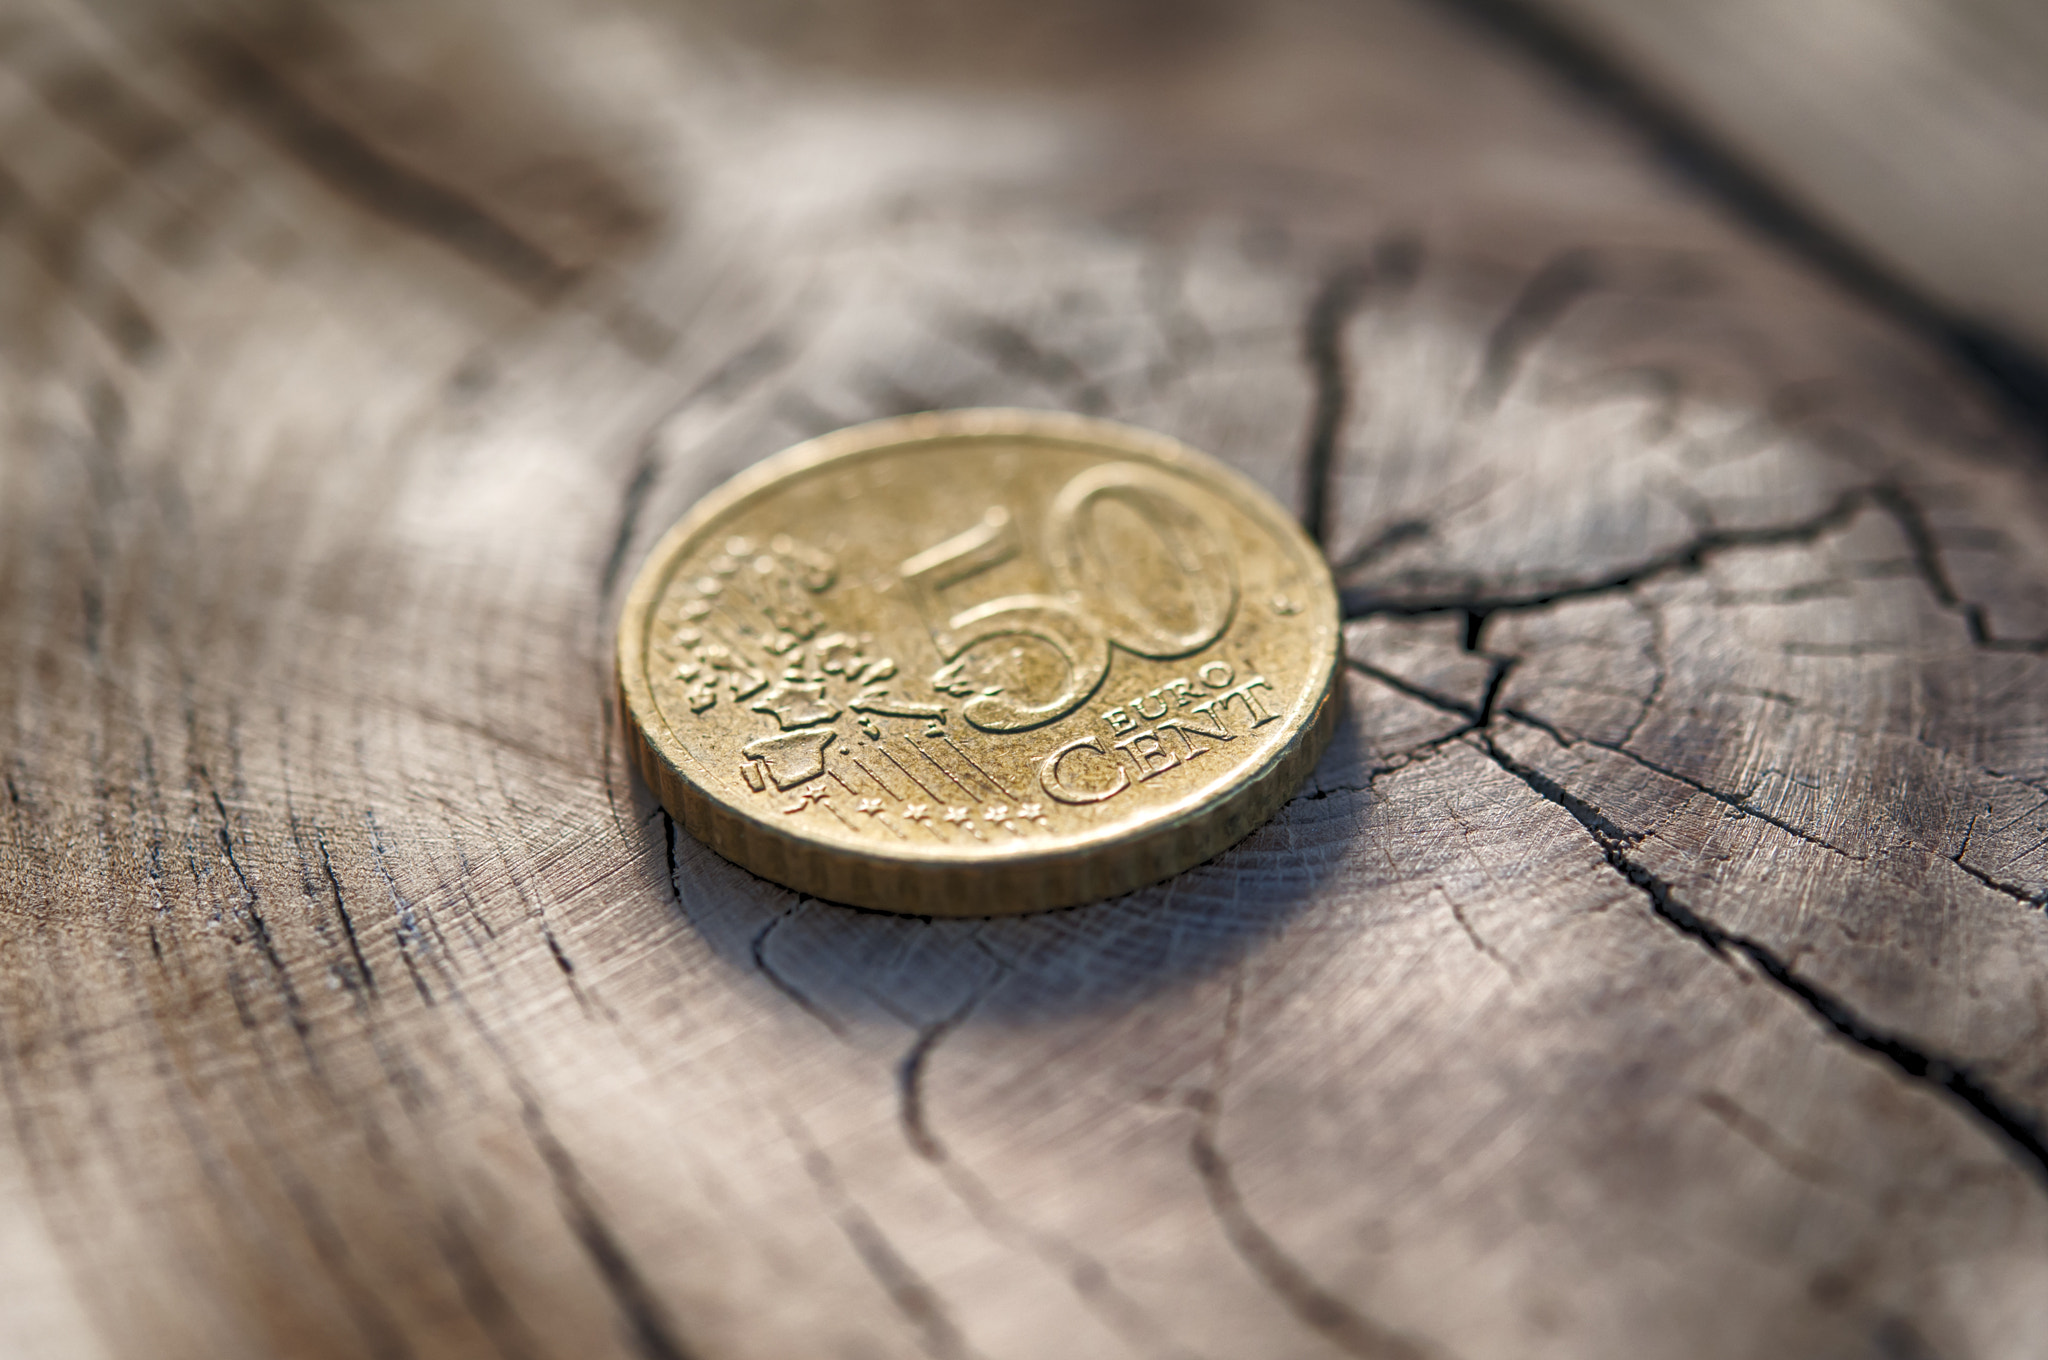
849	967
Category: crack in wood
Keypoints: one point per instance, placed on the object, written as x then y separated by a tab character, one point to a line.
1389	538
480	1291
1905	512
102	299
259	928
1342	293
910	1072
380	1331
631	502
939	1336
290	521
1761	1136
1083	1272
1958	1080
1545	297
1659	667
757	949
363	974
1337	300
1332	1317
1737	802
1015	351
1689	557
1442	702
2009	369
366	176
652	1332
1999	885
748	365
1477	941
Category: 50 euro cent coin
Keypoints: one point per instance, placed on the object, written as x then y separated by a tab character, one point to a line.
972	663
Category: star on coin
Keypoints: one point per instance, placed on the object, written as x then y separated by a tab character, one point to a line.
954	814
806	797
1030	812
998	813
871	806
916	812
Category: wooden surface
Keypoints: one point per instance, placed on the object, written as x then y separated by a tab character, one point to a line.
1918	129
1654	968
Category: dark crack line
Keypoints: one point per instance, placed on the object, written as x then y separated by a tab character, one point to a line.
653	1334
731	378
1905	513
367	177
910	1075
1362	602
1541	304
383	1332
1090	1280
294	1006
55	246
1397	762
348	924
1761	1136
1478	942
1316	1307
1920	538
1414	755
758	948
1692	556
1736	802
632	501
938	1335
1955	1079
1395	264
1475	718
1013	350
1344	1326
406	925
1442	702
2012	890
2034	782
1657	660
481	1293
1085	1274
1396	535
2007	366
1394	763
1322	345
1495	682
675	876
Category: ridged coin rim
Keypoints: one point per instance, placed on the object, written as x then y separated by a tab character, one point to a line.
1003	881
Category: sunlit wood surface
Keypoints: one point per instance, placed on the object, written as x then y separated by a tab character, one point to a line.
1655	967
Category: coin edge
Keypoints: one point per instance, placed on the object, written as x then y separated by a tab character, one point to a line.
1021	881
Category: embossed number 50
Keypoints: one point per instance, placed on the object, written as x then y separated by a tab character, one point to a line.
1098	606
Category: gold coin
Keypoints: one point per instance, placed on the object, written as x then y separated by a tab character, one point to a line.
977	662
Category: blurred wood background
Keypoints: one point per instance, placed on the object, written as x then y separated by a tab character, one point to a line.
1913	129
1656	966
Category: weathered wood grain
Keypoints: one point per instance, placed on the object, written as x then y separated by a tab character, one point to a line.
1919	130
1652	969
